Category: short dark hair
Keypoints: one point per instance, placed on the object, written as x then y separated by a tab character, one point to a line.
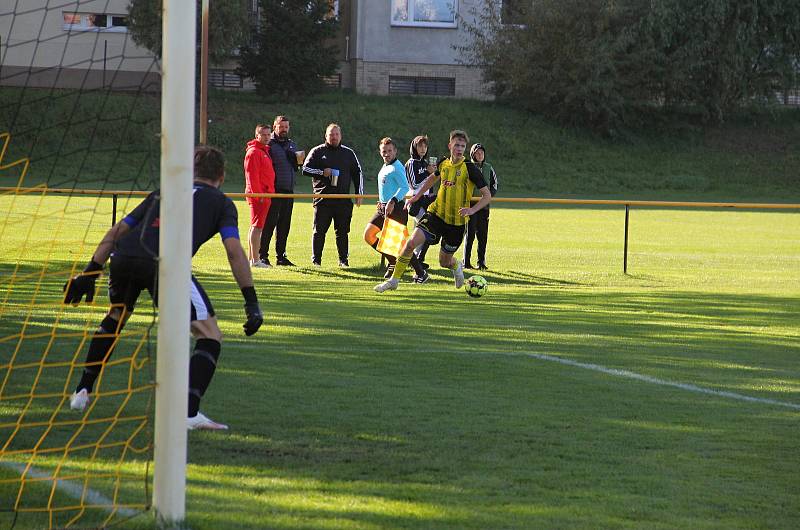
387	140
261	126
209	163
279	118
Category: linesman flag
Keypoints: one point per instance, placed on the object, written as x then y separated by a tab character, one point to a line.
392	237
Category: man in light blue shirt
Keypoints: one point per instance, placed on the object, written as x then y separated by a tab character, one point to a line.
392	189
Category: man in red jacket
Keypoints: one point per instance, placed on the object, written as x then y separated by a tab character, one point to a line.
259	177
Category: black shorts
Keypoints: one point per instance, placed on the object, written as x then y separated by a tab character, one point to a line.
129	276
421	204
435	228
399	214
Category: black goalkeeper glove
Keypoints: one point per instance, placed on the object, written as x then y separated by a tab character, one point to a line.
252	310
82	284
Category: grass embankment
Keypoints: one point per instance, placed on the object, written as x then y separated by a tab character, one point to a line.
111	140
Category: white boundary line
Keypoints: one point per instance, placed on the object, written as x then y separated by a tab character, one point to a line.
73	490
653	380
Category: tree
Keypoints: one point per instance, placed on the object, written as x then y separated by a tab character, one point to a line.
229	26
605	63
293	48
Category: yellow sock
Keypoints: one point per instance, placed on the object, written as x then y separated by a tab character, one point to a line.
401	266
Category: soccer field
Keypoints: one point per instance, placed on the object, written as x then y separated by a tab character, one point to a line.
570	396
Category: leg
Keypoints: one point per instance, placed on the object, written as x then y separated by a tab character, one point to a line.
471	230
254	240
100	348
343	214
322	221
203	362
482	230
282	229
269	227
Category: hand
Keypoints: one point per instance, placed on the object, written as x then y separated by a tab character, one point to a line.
358	202
326	172
254	318
431	169
78	286
465	212
389	208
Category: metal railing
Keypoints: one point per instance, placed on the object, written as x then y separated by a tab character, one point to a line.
524	200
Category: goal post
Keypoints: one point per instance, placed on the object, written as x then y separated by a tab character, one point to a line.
174	276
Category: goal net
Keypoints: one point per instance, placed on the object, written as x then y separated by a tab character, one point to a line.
79	145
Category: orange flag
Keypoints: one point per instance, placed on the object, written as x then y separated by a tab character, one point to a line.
392	237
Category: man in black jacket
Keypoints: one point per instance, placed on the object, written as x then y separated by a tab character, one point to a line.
285	160
333	167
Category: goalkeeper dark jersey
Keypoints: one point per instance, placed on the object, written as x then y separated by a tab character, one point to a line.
455	188
213	213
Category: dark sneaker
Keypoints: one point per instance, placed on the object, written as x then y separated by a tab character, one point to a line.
482	266
316	263
468	265
344	263
284	262
422	279
389	271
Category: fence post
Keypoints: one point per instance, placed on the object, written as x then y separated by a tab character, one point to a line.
114	210
625	251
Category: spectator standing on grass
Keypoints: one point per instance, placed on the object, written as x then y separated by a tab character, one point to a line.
418	168
333	167
259	177
392	190
447	215
132	245
479	221
286	159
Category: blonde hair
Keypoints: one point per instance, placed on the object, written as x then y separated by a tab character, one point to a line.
458	133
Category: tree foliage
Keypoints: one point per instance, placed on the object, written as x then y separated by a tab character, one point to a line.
228	29
603	63
293	47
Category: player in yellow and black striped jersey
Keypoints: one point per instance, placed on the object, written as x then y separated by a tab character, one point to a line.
448	215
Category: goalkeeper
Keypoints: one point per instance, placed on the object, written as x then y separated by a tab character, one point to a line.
392	189
447	215
132	245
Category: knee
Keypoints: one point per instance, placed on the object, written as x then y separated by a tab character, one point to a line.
445	260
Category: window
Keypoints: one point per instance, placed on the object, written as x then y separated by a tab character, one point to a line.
422	86
513	12
95	22
224	79
429	13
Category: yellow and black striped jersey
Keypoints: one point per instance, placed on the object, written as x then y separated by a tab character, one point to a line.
455	189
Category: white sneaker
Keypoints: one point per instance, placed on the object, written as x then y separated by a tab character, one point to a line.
260	264
458	275
388	285
202	422
79	400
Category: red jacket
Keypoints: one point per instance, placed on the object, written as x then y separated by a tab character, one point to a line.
259	174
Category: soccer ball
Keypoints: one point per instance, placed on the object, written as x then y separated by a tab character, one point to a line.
476	286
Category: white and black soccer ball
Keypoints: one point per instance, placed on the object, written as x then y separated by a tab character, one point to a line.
476	286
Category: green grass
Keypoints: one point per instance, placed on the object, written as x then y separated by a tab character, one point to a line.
111	140
423	408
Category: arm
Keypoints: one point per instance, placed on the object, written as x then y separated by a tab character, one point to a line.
426	185
360	185
244	278
485	199
251	174
311	166
82	284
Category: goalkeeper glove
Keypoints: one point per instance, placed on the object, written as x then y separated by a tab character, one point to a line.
82	284
252	310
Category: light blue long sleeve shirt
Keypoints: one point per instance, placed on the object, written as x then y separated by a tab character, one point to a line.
392	182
